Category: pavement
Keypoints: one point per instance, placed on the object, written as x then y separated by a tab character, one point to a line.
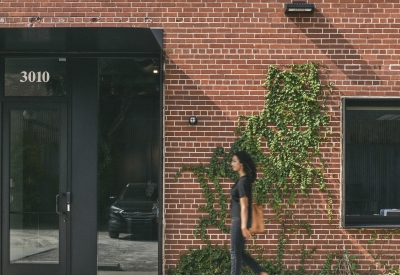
132	253
26	243
129	254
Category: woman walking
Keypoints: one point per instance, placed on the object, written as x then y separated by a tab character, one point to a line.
241	199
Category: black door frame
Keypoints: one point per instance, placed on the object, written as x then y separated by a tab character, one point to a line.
82	47
84	163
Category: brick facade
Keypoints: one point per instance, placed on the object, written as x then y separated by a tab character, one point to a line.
217	55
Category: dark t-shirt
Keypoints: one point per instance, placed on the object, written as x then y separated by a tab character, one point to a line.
241	188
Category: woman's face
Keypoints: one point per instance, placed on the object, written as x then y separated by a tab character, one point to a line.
236	165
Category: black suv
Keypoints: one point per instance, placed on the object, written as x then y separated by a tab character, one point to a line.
135	210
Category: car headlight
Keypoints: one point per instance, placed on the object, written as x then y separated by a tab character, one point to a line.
116	210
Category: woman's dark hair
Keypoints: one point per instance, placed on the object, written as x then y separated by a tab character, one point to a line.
249	166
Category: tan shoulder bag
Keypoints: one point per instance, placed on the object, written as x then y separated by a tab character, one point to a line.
257	219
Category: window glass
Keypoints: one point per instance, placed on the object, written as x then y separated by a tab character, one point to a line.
129	119
372	164
34	183
140	192
35	77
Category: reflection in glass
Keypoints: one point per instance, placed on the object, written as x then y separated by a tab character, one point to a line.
372	161
34	184
128	164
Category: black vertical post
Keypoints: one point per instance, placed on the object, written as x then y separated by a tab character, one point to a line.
161	160
84	163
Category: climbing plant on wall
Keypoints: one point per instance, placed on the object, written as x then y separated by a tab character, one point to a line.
283	139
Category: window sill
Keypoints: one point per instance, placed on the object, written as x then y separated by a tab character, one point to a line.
371	221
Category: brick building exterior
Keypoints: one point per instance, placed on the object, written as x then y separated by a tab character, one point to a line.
217	54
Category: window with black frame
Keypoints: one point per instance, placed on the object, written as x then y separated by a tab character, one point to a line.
371	162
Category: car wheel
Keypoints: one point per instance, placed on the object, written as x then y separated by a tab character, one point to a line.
113	235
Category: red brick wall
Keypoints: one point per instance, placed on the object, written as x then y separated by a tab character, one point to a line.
217	55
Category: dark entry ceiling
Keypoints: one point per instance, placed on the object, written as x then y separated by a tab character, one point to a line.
80	40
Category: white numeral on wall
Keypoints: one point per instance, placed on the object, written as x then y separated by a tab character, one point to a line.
35	76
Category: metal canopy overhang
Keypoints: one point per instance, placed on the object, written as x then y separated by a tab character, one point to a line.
81	40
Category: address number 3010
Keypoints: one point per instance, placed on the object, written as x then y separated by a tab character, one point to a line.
35	76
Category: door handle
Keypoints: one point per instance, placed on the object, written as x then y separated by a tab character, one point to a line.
68	195
57	204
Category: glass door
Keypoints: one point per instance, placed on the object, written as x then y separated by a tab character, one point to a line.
35	200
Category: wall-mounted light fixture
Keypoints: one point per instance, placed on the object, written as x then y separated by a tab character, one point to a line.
299	7
192	120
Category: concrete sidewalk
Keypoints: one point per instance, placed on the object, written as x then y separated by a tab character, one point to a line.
130	252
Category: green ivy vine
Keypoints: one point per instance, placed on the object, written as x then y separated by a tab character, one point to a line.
284	140
218	168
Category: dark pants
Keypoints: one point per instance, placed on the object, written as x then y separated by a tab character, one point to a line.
237	251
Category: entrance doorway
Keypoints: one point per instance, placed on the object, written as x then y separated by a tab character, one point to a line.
35	195
81	128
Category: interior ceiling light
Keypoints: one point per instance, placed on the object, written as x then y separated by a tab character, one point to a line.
151	67
299	7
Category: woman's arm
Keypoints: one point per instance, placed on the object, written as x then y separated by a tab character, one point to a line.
244	204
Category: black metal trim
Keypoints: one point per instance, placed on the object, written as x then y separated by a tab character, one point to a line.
161	165
84	166
80	40
343	161
371	221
